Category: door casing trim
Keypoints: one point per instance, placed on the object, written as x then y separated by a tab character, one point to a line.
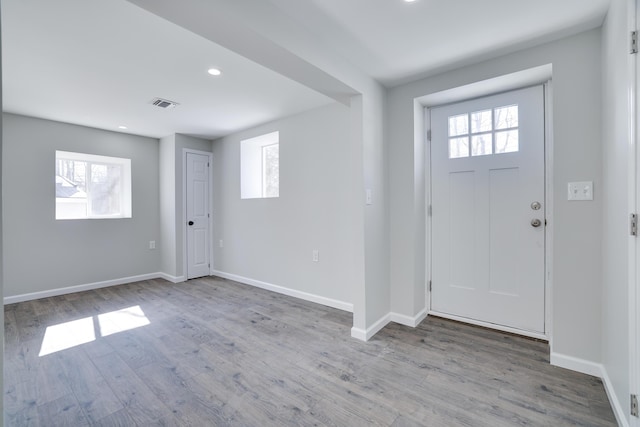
541	75
184	208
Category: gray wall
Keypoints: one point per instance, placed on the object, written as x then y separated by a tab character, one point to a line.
167	243
616	153
577	256
271	240
43	254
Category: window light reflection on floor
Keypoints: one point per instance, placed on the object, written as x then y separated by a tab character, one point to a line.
121	320
77	332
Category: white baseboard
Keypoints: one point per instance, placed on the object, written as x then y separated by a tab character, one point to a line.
576	364
365	335
407	320
79	288
340	305
172	279
613	399
596	370
359	334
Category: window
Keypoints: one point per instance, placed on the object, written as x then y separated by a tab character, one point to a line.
91	186
260	166
482	133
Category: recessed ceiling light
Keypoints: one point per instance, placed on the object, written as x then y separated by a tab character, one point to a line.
122	127
409	1
214	71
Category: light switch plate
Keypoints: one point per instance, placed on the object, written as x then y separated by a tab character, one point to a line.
582	190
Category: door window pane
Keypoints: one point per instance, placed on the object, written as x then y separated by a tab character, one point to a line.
481	121
506	117
458	125
507	141
458	147
481	144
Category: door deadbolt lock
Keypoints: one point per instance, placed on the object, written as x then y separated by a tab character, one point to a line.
536	206
536	222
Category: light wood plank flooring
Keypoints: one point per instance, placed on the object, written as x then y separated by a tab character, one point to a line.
215	352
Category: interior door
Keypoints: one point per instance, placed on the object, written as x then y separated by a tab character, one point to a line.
197	199
488	213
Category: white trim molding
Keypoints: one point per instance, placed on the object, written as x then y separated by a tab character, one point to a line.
576	364
340	305
596	370
172	279
365	335
614	401
408	320
80	288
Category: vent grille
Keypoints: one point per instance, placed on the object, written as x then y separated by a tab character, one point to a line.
163	103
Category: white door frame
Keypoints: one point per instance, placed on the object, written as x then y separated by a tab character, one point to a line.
634	196
534	76
184	208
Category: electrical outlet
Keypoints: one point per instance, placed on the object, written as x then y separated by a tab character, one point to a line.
152	244
315	255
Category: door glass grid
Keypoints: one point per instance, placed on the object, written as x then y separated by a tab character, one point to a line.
482	133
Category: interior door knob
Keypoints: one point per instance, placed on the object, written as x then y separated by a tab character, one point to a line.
536	222
190	223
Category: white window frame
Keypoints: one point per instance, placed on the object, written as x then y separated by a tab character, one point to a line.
125	185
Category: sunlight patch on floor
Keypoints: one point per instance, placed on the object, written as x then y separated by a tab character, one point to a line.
77	332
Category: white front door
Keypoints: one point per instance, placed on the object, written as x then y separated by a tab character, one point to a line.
488	213
197	199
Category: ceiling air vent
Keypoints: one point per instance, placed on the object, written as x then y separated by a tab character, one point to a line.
163	103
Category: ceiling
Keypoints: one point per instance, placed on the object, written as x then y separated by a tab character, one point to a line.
100	63
396	41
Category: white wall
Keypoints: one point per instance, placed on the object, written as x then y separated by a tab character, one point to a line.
40	253
577	150
271	240
615	155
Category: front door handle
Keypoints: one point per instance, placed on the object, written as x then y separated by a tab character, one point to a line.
190	223
536	222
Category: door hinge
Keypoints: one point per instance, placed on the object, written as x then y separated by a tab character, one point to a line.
430	285
634	405
429	135
633	45
208	164
633	221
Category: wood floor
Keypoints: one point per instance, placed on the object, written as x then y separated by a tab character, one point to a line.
215	352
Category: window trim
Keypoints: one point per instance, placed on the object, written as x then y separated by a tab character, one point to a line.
125	183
